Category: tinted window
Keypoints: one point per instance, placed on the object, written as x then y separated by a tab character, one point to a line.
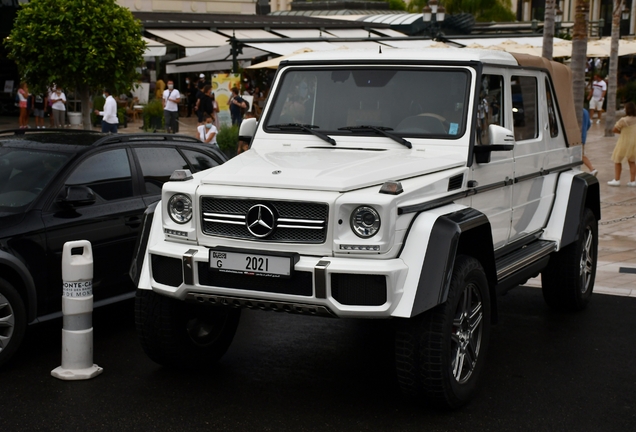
24	174
524	107
552	116
199	161
157	165
418	101
106	173
489	106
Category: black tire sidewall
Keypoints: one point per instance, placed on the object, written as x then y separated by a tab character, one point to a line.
19	314
467	270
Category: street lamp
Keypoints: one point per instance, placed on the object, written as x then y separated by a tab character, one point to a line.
433	14
625	13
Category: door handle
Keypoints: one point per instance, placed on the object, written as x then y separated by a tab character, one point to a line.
133	222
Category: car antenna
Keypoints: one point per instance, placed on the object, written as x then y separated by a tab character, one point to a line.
380	49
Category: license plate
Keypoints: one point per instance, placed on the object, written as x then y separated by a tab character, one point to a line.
254	264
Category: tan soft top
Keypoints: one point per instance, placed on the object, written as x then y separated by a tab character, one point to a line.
562	81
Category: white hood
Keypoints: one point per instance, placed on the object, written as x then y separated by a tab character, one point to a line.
329	169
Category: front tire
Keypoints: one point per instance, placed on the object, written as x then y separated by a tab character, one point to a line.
175	333
12	321
568	280
441	353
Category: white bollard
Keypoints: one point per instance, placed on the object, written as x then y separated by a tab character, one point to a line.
77	308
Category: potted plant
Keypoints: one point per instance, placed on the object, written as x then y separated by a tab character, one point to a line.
122	118
227	139
153	115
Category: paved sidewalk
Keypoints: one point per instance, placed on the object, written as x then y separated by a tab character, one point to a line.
617	228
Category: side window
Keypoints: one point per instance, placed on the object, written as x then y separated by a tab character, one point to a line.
107	174
552	116
489	106
524	107
157	165
199	161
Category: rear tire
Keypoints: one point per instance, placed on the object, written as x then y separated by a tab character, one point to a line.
175	333
12	321
441	353
568	280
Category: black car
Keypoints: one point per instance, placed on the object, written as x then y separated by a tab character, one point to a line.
77	185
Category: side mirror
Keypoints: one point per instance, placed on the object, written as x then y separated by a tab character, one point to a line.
77	196
501	139
247	130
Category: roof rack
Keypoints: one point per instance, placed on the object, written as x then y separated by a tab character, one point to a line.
36	131
119	138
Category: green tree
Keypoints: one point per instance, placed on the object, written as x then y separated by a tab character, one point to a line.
78	44
482	10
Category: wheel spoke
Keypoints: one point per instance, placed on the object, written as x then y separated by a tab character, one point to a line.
458	364
471	355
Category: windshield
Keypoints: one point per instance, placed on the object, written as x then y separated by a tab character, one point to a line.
24	173
408	102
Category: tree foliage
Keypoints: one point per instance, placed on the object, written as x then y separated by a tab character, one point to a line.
482	10
77	44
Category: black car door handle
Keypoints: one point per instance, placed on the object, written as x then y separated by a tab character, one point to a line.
133	221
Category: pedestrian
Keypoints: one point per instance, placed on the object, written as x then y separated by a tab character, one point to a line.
203	104
207	131
160	86
58	107
171	100
23	97
244	146
191	93
597	96
49	94
109	115
201	82
586	126
626	146
237	106
39	106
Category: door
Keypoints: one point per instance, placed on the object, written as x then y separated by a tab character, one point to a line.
111	224
493	178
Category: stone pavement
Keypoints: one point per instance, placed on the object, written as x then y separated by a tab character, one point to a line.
616	271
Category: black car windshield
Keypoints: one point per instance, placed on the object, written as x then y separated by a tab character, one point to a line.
24	173
426	102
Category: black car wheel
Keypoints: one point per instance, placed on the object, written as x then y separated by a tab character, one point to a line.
440	354
12	320
175	333
568	280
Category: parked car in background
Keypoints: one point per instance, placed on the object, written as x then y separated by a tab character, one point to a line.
76	185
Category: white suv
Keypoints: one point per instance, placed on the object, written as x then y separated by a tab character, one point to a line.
411	185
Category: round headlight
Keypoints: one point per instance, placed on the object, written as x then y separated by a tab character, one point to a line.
180	208
365	221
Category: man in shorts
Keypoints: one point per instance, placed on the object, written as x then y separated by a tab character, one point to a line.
596	97
39	106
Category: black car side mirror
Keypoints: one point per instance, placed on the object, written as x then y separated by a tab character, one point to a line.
77	196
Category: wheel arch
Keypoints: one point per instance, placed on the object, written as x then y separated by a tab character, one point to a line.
463	232
16	273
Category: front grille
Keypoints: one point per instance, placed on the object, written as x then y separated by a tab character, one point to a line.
358	290
299	284
166	270
297	222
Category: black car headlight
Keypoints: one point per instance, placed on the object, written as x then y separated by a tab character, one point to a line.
365	221
180	208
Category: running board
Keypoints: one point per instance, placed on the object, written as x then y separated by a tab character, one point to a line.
523	257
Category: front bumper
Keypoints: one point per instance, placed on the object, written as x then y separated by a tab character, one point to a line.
342	287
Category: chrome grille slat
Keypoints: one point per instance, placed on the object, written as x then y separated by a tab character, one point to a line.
298	222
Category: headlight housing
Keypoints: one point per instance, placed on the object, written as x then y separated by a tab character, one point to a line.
365	221
180	208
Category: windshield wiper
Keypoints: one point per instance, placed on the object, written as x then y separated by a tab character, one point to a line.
305	127
381	130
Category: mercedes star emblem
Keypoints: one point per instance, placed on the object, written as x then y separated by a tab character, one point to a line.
260	220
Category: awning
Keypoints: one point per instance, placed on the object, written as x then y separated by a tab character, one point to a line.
285	48
194	41
349	33
304	33
212	59
388	32
153	48
249	34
